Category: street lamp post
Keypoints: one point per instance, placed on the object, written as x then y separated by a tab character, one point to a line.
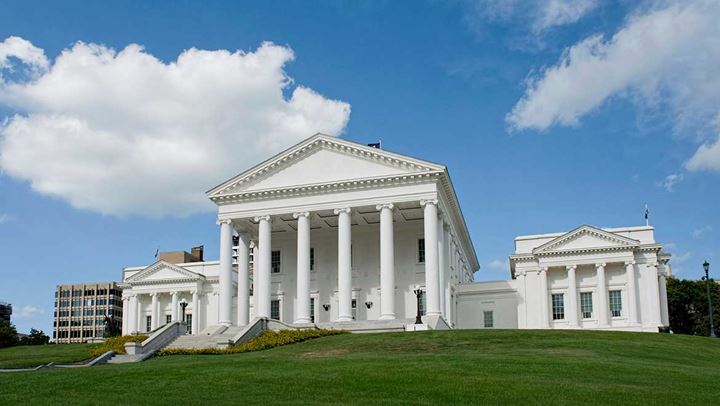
183	305
706	267
418	317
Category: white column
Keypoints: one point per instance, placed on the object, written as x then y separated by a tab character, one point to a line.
302	310
126	315
154	311
544	298
387	262
522	303
432	294
225	305
195	312
664	318
654	318
137	313
262	270
441	264
243	284
632	292
344	265
572	299
602	294
174	309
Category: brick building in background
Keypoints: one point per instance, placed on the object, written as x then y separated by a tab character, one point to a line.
80	311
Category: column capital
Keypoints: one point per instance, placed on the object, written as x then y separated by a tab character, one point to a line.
346	210
301	214
261	218
384	206
223	221
153	294
520	273
174	293
600	265
629	263
542	270
425	202
570	267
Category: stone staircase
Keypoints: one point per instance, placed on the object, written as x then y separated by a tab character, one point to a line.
208	338
367	326
124	359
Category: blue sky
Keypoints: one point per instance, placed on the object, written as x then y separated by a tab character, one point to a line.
545	115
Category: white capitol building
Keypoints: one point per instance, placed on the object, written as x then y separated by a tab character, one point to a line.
342	235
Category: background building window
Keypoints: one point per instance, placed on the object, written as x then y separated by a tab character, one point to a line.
586	304
275	309
275	262
488	318
615	303
421	250
558	306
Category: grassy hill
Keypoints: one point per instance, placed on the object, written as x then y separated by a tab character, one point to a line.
32	356
441	367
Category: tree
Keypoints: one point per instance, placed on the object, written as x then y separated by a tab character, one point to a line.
8	334
36	337
688	305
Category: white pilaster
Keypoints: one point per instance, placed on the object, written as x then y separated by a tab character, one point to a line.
174	305
195	312
632	305
544	298
262	271
154	311
303	268
243	284
522	303
602	296
664	317
654	319
572	299
225	305
432	294
441	264
344	265
126	315
387	262
139	314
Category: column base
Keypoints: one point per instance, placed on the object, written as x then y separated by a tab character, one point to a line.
388	317
345	318
303	321
225	323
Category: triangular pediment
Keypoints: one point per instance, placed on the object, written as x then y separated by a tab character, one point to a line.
323	159
586	238
162	271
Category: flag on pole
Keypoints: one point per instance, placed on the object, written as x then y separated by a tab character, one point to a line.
157	252
647	212
377	145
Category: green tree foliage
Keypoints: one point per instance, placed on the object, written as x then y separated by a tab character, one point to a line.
36	337
8	334
688	306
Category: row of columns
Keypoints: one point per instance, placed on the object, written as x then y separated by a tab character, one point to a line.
134	322
435	253
602	296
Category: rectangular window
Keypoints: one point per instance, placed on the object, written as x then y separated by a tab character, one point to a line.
558	306
615	303
168	318
354	309
586	304
148	323
188	320
421	251
275	262
312	259
275	309
312	308
488	318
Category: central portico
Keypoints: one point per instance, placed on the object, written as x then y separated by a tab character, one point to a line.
334	231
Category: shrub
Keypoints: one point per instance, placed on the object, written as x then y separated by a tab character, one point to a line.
266	340
116	344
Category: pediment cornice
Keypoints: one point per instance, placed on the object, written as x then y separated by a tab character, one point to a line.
141	278
614	242
236	185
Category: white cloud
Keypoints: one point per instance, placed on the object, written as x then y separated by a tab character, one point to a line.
680	258
698	233
667	55
707	157
28	312
4	218
125	133
562	12
672	180
498	265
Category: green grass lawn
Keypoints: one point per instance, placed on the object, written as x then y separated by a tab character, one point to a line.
439	367
31	356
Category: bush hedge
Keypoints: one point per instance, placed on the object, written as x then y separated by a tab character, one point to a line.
116	344
268	339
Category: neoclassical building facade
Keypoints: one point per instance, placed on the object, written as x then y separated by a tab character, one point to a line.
326	231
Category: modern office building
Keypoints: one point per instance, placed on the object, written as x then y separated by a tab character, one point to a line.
80	311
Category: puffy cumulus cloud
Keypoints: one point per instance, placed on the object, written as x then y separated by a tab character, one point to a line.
664	56
126	133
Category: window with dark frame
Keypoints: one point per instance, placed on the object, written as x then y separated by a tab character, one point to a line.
275	262
586	304
421	251
275	309
615	303
558	306
488	319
